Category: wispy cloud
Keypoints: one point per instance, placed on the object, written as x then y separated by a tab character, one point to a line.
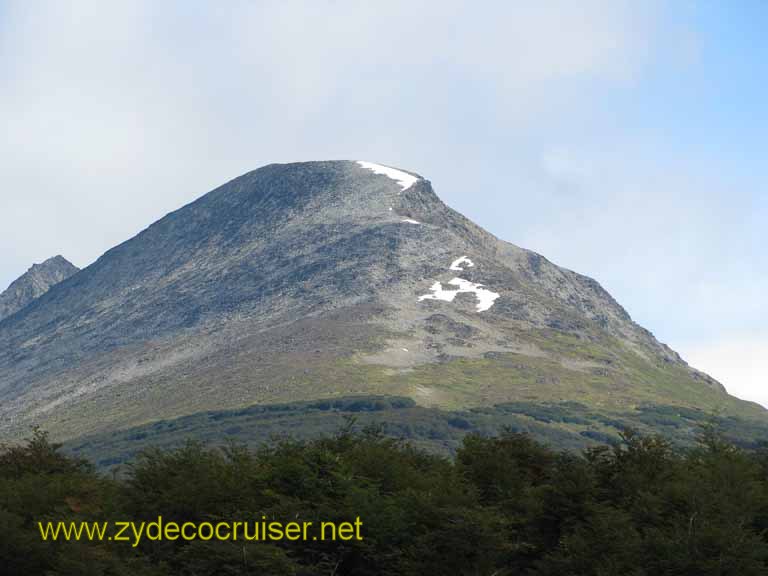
117	112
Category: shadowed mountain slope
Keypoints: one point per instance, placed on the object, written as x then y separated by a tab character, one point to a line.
314	280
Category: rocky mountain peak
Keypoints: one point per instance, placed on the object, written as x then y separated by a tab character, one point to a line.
315	279
34	283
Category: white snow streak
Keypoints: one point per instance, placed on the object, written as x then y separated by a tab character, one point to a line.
409	221
457	264
485	298
403	178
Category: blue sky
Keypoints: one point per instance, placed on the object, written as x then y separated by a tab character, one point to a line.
624	140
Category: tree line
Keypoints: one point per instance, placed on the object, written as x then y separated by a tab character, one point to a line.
504	505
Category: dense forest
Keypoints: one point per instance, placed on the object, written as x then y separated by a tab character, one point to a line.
504	505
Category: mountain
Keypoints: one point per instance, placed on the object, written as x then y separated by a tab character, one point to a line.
320	280
34	283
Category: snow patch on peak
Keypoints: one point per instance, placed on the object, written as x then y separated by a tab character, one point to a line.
485	298
459	262
404	179
409	221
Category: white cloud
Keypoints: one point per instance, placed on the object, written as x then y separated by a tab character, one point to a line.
118	112
739	363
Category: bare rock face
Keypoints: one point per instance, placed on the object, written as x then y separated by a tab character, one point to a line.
319	279
34	283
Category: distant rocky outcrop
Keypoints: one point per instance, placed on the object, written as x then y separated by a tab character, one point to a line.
34	283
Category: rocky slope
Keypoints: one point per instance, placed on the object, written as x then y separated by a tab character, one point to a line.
314	280
34	283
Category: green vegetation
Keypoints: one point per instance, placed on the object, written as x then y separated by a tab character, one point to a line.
505	505
562	425
600	372
597	371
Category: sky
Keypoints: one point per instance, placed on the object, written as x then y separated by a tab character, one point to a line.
623	140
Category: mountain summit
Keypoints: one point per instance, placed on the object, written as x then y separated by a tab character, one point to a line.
34	283
320	279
